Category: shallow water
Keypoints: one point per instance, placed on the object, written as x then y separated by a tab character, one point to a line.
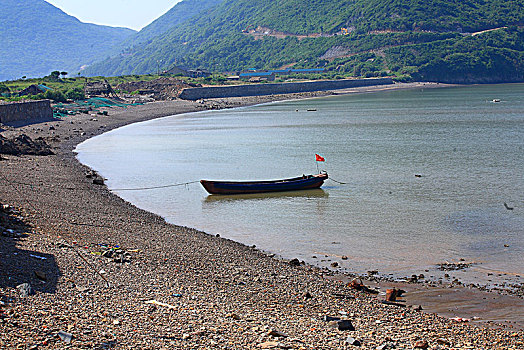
467	150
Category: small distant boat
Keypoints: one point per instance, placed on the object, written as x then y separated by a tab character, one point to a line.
495	100
304	182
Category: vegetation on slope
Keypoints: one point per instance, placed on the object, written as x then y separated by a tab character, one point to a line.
297	16
177	15
380	34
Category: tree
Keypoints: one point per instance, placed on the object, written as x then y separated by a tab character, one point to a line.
54	76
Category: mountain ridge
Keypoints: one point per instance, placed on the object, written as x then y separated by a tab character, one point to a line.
371	33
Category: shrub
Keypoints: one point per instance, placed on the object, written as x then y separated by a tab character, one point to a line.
403	79
55	95
75	94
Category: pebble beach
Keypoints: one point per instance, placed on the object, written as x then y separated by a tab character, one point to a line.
80	268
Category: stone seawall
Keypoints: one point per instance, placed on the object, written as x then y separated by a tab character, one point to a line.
27	110
278	88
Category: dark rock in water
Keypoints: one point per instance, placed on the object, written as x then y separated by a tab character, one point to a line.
91	174
25	290
294	262
98	181
334	264
353	341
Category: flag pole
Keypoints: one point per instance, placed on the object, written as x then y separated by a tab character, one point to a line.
319	158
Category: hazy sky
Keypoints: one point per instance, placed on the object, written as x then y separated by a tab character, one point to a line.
134	14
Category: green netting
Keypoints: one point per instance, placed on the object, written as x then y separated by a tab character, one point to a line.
91	105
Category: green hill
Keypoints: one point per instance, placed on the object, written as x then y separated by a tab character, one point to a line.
38	38
430	40
177	15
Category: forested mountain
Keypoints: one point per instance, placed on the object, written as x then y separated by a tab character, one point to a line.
177	15
446	40
37	38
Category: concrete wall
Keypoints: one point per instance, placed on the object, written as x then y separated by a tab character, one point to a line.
278	88
27	110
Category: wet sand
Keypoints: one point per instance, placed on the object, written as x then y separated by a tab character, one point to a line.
168	286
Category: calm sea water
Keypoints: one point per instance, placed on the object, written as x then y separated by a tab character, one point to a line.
468	150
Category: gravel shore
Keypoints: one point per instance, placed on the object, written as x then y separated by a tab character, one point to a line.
105	274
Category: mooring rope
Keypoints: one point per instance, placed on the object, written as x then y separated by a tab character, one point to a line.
115	189
154	187
342	183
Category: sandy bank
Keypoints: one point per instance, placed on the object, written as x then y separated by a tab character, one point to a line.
210	292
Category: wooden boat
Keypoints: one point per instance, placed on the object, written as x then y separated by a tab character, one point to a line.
304	182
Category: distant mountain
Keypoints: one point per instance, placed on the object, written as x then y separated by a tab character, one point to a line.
451	40
37	38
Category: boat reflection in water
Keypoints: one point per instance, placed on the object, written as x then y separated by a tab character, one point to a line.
314	193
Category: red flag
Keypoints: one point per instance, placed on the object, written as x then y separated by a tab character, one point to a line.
319	158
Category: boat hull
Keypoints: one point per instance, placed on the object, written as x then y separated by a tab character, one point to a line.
238	187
